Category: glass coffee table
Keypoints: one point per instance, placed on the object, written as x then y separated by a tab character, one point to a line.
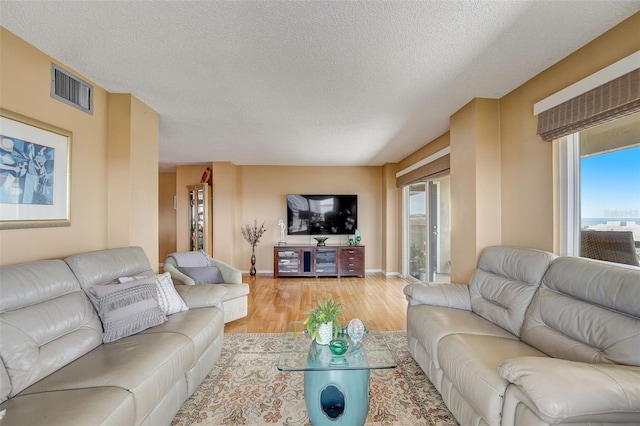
336	387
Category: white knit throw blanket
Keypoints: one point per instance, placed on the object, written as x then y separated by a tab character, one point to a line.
191	258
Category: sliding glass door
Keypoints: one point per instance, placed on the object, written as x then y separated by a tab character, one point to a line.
416	234
427	227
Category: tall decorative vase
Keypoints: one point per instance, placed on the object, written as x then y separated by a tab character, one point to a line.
252	272
325	333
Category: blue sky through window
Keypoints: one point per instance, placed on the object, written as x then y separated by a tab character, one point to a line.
418	204
610	184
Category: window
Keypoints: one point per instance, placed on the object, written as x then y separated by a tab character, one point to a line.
600	190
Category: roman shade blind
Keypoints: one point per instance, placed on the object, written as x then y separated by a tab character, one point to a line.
436	168
612	100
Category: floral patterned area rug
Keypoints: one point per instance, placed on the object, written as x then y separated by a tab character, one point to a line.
246	388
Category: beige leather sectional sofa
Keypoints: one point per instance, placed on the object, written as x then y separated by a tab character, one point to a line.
533	340
55	368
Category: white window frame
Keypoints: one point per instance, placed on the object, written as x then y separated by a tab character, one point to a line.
569	158
405	232
406	201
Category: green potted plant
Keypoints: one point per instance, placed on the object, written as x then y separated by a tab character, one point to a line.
322	321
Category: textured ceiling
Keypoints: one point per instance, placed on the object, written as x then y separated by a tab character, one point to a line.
307	83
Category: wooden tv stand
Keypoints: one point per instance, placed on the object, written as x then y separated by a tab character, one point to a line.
318	261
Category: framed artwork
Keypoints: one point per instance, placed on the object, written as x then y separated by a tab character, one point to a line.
35	173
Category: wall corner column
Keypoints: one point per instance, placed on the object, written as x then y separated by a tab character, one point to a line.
475	184
391	221
225	194
132	217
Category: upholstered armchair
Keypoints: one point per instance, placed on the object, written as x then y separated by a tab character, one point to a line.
194	268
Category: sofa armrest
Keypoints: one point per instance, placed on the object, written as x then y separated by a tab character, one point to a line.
439	294
559	390
177	277
230	274
203	295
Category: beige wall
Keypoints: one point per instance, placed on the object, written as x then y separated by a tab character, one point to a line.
263	191
133	175
391	221
436	145
225	220
525	186
244	193
167	214
143	162
475	177
25	75
224	198
527	183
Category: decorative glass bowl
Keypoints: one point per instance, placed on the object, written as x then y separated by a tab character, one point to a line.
338	347
356	330
321	240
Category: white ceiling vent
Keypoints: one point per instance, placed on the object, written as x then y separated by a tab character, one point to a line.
71	90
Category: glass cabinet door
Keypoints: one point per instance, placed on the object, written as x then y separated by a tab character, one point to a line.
288	261
326	261
199	213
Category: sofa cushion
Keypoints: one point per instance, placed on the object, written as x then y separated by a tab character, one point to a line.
5	383
471	362
147	365
129	308
587	310
504	284
430	324
99	406
191	258
439	294
202	275
107	266
46	321
202	296
235	290
571	392
201	326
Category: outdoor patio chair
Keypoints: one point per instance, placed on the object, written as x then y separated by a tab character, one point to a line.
612	246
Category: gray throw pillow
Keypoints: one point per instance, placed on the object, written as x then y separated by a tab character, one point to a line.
168	298
203	274
127	309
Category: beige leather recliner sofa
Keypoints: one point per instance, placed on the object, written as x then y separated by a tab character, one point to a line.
55	368
534	339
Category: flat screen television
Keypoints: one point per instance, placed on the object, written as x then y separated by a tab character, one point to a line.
322	214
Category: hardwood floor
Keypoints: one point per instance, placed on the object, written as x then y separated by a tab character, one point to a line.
273	302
